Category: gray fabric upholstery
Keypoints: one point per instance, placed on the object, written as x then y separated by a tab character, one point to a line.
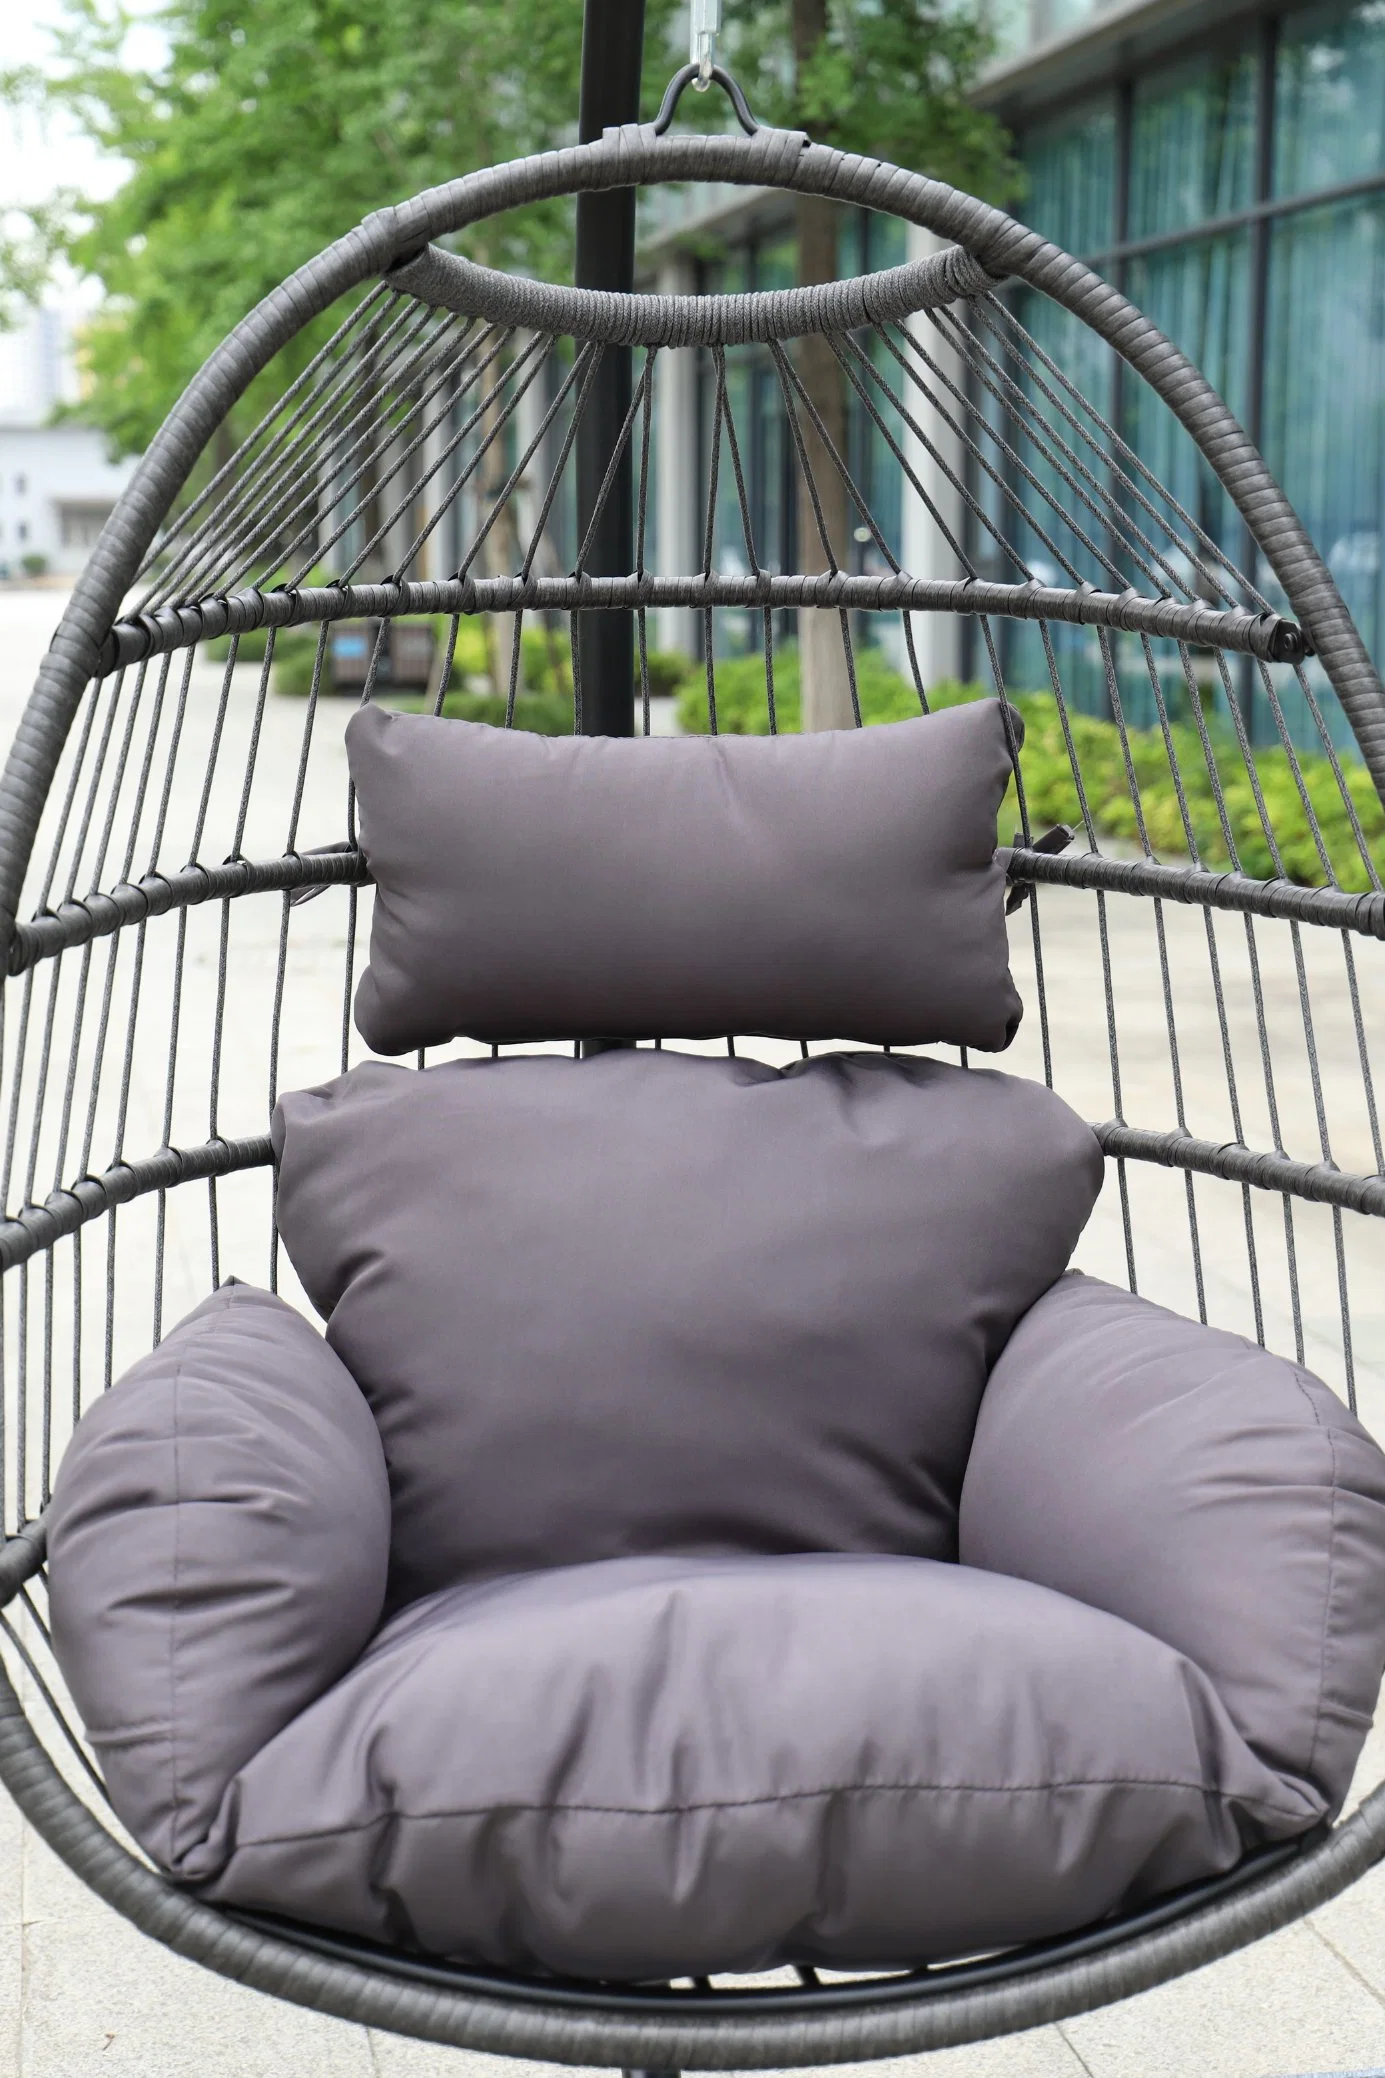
218	1541
654	1302
840	886
1221	1498
656	1766
682	1763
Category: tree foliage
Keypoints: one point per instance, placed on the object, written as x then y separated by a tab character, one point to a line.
270	127
890	78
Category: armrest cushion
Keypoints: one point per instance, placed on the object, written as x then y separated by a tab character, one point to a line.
1221	1498
218	1547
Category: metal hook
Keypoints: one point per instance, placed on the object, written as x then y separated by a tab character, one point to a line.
702	41
693	73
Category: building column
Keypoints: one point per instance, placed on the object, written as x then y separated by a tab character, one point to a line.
925	547
678	550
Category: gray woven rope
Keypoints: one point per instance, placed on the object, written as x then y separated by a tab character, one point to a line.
37	1227
935	2019
626	157
21	1557
1328	907
1263	635
451	282
103	912
1319	1182
100	914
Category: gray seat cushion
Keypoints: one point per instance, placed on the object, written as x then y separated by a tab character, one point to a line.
1190	1482
1161	1648
839	886
657	1766
651	1302
218	1540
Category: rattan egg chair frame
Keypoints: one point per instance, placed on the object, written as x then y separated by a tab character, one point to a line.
130	799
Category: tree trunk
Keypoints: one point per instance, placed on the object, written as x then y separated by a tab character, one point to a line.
823	675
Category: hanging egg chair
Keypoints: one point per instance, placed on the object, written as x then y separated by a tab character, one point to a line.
183	889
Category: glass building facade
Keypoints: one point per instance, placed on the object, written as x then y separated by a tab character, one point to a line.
1237	195
1234	188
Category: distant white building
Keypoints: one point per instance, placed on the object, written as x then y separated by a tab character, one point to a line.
57	484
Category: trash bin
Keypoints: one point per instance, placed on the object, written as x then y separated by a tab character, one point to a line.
405	662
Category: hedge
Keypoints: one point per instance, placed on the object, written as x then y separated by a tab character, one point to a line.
1048	782
542	714
547	670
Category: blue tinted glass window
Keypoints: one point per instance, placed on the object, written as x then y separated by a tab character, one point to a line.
1324	418
1330	98
1070	172
1051	549
1199	294
1192	146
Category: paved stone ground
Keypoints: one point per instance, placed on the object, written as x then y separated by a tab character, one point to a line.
80	1993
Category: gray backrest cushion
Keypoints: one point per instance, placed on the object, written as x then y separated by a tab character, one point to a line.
218	1541
658	1766
1221	1498
832	886
656	1302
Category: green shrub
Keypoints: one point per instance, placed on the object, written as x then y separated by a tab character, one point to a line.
1051	795
294	651
250	648
295	658
669	671
543	714
470	658
742	707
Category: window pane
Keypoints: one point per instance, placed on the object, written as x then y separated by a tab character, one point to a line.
1324	425
1050	549
1192	146
1070	168
1329	121
1199	294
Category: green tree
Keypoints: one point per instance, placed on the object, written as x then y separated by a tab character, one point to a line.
267	128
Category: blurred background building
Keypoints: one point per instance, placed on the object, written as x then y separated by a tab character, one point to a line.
57	486
1223	163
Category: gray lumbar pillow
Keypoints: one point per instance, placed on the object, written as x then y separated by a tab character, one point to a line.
651	1302
1219	1497
218	1542
653	1766
834	886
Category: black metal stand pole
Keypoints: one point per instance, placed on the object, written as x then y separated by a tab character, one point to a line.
612	51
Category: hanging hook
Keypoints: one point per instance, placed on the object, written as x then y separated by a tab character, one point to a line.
689	76
702	40
703	71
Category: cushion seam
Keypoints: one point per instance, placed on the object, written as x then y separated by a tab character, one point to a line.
1329	1596
177	1798
1330	1586
175	1790
847	1789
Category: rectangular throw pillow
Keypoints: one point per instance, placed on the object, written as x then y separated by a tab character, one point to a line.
651	1302
833	886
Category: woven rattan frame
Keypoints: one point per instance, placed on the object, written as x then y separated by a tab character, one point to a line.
624	158
532	2021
